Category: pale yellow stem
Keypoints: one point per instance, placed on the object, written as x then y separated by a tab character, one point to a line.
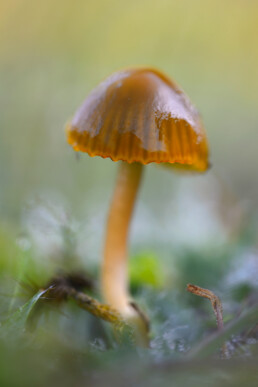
115	264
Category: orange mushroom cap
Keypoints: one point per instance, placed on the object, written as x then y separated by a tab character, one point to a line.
140	115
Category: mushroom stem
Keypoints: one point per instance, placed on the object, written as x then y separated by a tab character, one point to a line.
115	264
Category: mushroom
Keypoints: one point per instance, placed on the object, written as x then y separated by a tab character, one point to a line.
136	116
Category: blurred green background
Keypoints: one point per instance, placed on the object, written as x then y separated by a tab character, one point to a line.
53	205
54	52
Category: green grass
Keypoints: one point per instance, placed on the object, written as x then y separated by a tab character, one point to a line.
56	343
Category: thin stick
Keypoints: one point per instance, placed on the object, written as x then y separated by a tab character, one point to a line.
215	302
102	311
217	308
105	312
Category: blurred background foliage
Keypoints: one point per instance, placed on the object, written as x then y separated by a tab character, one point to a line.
200	229
54	52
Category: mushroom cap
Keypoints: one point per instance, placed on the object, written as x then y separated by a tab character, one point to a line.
140	115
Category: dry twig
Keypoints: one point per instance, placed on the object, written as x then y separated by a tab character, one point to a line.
216	305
